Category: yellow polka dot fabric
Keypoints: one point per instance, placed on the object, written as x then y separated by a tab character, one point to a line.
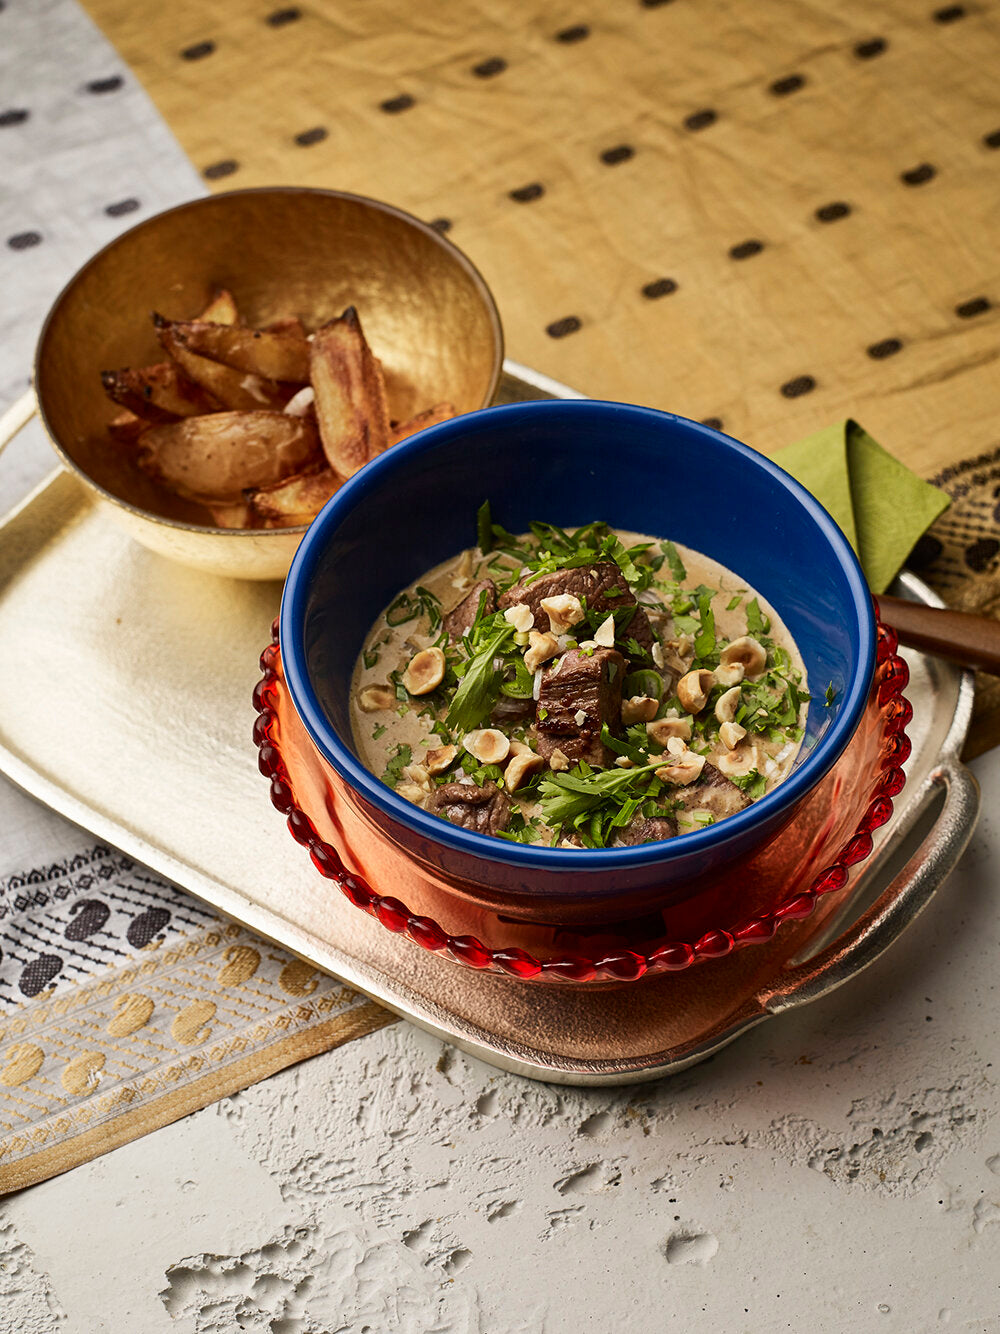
766	216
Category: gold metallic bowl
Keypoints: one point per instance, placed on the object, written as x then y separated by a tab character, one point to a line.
427	313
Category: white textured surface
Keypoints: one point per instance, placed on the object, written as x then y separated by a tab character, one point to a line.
838	1169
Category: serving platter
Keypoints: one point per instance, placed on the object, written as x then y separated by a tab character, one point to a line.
125	705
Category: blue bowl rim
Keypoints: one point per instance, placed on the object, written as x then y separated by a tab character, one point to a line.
528	856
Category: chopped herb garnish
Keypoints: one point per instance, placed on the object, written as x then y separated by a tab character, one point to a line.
674	561
480	684
831	695
484	528
394	769
704	640
378	731
734	602
757	623
754	784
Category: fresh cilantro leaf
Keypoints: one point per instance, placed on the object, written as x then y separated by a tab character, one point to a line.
757	623
831	695
754	784
674	561
394	769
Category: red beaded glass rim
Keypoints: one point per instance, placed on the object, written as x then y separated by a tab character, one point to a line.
891	675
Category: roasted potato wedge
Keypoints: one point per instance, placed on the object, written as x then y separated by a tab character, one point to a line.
304	494
440	412
126	428
286	324
351	405
272	356
158	393
221	309
235	390
216	458
232	516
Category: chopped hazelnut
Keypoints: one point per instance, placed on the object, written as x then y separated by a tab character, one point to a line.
373	699
541	648
420	796
693	690
488	744
425	671
564	610
604	635
747	651
417	773
728	705
737	763
683	769
520	767
729	674
521	617
663	729
558	761
732	734
441	758
639	709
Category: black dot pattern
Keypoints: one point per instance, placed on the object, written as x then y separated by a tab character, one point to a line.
24	240
652	291
875	46
393	105
968	310
833	212
560	328
441	225
791	83
949	14
919	175
700	120
198	51
313	136
577	33
802	384
888	347
524	194
746	249
620	153
713	423
653	4
488	69
120	209
992	140
281	17
217	170
15	116
110	85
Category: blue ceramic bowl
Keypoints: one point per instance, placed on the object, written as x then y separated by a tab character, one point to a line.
571	462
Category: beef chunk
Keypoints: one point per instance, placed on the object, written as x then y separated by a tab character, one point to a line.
484	810
591	582
459	620
643	829
713	792
577	684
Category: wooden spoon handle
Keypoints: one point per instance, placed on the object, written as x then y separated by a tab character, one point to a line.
973	641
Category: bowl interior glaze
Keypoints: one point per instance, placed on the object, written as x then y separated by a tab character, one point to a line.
570	463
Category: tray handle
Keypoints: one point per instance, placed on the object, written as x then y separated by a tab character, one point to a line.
16	417
899	904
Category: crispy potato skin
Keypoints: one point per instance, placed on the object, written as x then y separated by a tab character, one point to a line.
304	494
440	412
216	458
221	309
236	390
158	393
272	356
351	405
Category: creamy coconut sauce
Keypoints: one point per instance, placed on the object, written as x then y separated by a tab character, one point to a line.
393	729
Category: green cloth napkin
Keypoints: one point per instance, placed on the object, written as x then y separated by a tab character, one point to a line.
882	507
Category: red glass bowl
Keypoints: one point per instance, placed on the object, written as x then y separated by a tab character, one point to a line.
812	858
